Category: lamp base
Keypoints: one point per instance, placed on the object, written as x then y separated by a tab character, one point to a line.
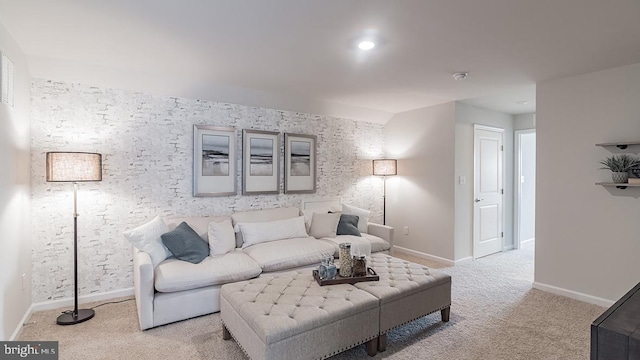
69	318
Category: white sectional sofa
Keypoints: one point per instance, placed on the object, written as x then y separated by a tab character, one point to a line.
176	290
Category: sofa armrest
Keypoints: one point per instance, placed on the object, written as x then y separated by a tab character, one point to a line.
382	231
143	282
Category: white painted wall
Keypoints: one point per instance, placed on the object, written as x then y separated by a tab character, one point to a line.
527	186
147	146
465	116
587	236
15	219
524	121
421	196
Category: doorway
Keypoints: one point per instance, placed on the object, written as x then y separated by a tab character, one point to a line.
525	187
488	209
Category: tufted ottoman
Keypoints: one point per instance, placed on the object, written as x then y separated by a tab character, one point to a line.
289	316
407	291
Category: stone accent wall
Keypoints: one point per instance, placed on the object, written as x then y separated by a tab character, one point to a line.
147	147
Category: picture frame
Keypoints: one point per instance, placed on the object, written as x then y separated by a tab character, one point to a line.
260	162
300	166
214	161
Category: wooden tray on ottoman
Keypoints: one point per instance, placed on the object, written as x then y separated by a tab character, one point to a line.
371	276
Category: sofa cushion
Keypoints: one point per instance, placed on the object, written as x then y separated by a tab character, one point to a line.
222	238
324	225
363	216
259	232
185	244
174	275
261	216
377	244
289	253
147	238
348	225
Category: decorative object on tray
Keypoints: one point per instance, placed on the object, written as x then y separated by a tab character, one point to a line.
371	275
359	267
214	160
299	164
345	260
260	162
327	269
620	165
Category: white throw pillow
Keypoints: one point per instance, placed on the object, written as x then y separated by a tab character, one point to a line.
259	232
324	225
147	238
308	214
363	216
222	238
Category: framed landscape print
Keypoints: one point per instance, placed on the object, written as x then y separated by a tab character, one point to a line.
260	162
214	161
299	164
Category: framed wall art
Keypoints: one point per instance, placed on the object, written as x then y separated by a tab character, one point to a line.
260	162
299	164
214	161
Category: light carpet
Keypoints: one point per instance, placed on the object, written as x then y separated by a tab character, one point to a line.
495	314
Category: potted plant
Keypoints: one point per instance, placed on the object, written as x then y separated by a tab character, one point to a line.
619	166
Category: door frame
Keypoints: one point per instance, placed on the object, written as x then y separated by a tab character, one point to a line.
475	179
517	184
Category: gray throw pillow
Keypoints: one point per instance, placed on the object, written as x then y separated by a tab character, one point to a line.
185	244
348	225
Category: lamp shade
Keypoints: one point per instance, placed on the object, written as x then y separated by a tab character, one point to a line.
74	166
385	167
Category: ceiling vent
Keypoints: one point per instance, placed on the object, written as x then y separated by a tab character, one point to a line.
6	74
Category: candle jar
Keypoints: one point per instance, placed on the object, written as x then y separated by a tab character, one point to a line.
359	265
345	259
332	271
322	269
327	269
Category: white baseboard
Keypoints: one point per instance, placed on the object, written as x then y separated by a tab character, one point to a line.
55	304
573	294
466	260
422	255
24	319
528	240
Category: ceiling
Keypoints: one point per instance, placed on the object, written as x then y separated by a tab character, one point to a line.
301	55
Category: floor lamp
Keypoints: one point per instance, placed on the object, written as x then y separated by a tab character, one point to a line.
74	167
385	167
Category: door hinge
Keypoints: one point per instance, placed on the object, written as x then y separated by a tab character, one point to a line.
502	191
501	147
502	234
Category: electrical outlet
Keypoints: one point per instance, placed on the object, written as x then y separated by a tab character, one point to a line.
406	230
24	277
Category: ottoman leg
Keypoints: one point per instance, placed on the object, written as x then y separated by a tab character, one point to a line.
372	347
382	342
445	314
226	335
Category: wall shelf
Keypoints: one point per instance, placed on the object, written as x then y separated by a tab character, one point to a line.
620	145
618	185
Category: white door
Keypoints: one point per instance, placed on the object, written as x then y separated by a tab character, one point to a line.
488	191
525	186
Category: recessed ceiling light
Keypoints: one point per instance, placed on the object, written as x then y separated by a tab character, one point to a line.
460	75
522	102
366	45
